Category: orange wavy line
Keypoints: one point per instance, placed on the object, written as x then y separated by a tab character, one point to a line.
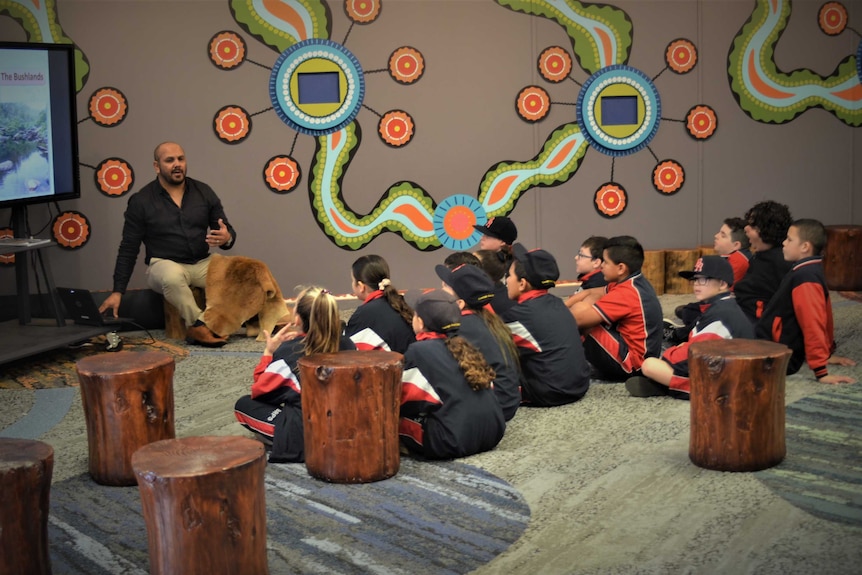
341	223
854	93
761	86
558	159
498	191
606	46
285	12
415	216
334	138
774	5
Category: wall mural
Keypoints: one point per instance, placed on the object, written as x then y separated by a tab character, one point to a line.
769	95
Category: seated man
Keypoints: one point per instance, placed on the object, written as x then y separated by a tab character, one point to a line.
621	323
178	219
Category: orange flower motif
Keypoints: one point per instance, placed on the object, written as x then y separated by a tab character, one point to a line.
227	50
108	106
362	11
832	18
555	64
396	128
406	65
6	260
610	200
668	177
232	124
533	103
701	122
282	174
114	177
71	230
681	56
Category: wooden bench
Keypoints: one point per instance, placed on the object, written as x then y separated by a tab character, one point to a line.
737	404
26	468
204	505
676	261
128	402
351	402
842	258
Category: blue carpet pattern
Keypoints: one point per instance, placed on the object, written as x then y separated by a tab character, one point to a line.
432	517
822	472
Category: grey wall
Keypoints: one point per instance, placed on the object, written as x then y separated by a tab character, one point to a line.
479	55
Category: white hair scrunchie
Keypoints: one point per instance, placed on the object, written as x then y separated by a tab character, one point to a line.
384	283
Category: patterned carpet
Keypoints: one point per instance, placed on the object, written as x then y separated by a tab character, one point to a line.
56	368
444	517
822	473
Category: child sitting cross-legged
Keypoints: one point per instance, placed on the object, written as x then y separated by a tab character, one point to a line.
721	318
448	408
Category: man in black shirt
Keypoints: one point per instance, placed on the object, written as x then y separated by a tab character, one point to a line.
179	220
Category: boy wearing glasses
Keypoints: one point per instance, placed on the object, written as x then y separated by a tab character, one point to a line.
588	262
721	318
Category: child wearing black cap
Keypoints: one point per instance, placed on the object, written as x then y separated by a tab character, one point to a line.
485	330
799	315
552	357
721	318
448	408
622	323
498	234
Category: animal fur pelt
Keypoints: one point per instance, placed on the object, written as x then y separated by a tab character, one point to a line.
238	289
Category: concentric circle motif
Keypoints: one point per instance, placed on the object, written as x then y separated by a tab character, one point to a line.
227	50
832	18
453	221
611	200
701	122
555	64
317	87
619	110
395	128
668	177
362	11
681	56
282	174
232	124
108	106
114	177
533	104
71	230
7	259
406	65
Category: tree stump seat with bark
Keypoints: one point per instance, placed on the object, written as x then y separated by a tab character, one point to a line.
842	258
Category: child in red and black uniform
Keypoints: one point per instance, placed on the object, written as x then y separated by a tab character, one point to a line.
274	408
622	323
800	313
448	408
487	332
720	318
382	321
588	262
552	356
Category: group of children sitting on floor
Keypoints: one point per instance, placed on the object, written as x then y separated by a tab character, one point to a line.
494	338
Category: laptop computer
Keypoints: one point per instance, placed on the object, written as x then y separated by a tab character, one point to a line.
82	308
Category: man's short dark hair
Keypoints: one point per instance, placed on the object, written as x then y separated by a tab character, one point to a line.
811	231
737	232
625	250
771	220
596	244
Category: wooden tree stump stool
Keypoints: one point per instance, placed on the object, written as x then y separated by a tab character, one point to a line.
737	404
842	258
175	325
676	261
350	404
204	505
26	467
653	269
707	250
128	402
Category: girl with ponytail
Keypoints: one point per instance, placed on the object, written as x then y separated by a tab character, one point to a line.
382	321
273	410
448	407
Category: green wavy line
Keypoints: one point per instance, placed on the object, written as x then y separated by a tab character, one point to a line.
279	40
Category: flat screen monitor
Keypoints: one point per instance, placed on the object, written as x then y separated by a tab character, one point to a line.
38	124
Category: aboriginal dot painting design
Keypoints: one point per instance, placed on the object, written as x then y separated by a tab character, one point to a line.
282	174
668	177
770	95
7	259
71	230
114	177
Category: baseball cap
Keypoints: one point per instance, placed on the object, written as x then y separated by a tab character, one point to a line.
500	227
469	282
716	267
540	266
438	310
